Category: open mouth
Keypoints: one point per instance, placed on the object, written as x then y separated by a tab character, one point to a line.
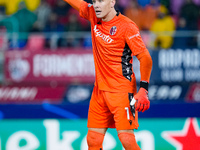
98	12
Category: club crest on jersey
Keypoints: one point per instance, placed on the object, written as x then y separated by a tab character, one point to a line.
113	30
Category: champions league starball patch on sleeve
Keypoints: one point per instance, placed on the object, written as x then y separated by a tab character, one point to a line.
113	30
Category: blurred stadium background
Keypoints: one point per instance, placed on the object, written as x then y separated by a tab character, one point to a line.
47	75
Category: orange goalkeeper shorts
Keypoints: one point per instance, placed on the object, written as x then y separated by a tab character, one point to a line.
111	110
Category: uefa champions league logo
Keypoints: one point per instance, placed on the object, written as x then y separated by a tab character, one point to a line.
18	69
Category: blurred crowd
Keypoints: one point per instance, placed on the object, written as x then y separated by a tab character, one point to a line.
163	23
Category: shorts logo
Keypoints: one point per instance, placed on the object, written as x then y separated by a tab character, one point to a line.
113	30
130	121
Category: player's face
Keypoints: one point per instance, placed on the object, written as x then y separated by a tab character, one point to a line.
103	7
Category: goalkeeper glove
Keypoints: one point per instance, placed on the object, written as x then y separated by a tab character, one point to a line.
142	100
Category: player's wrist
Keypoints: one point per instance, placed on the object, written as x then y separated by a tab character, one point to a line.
144	84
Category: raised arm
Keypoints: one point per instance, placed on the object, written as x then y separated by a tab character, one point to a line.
74	3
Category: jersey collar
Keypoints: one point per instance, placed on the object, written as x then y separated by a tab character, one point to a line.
111	21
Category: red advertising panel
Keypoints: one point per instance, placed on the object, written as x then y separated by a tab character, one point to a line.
15	94
61	66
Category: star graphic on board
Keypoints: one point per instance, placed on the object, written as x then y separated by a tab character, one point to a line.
186	139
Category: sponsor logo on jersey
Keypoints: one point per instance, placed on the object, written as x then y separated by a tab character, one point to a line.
113	30
134	36
106	38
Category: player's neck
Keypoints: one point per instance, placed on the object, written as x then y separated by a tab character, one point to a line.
110	15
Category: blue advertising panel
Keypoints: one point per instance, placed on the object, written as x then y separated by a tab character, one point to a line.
176	66
78	111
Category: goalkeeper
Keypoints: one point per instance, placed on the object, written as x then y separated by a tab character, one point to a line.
115	40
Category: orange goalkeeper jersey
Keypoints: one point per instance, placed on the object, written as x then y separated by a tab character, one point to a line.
114	43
